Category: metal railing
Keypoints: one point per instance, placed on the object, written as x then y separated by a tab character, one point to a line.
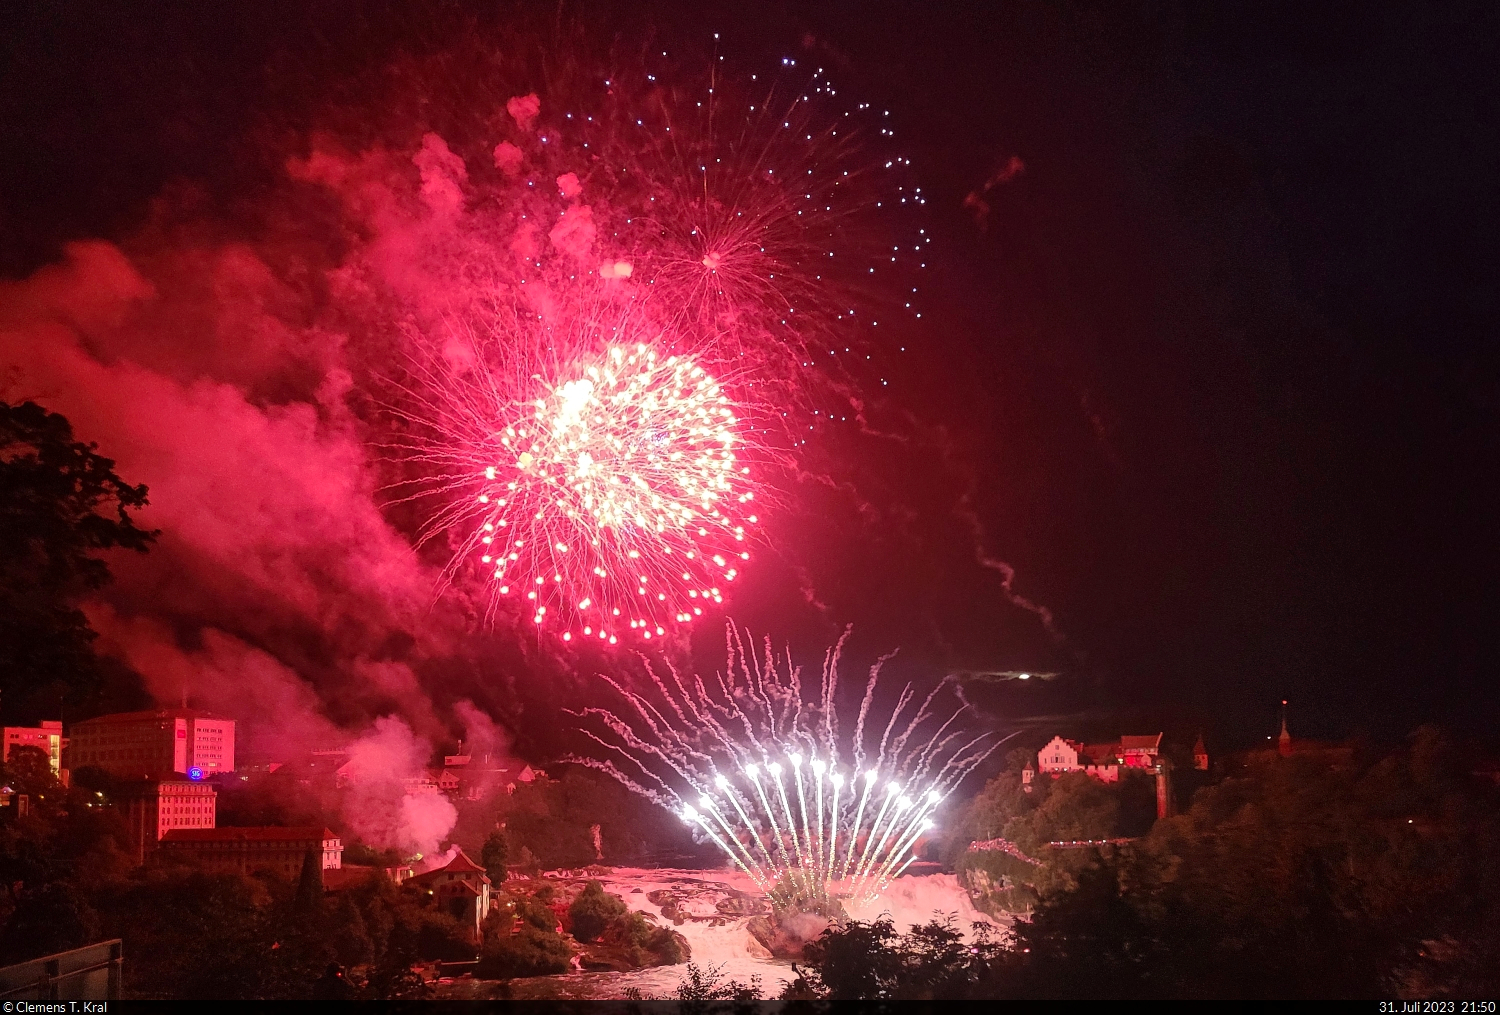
90	973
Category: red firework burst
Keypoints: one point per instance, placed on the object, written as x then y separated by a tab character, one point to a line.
679	273
610	497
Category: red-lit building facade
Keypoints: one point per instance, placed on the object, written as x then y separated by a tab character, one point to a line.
461	888
135	745
155	807
275	849
1063	755
1105	762
47	738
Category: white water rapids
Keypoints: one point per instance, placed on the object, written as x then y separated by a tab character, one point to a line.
711	908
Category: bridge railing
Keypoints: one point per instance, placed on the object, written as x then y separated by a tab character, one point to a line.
90	973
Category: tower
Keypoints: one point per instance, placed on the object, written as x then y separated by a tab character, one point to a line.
1163	772
1200	755
1284	742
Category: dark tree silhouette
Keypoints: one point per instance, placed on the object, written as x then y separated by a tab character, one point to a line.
310	883
61	507
495	855
51	918
28	770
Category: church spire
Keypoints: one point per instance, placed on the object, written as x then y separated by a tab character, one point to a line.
1284	742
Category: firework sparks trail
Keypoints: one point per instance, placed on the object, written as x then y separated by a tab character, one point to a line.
760	219
762	773
759	199
613	504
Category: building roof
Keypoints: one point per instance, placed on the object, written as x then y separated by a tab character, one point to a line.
44	726
1151	743
262	833
146	785
461	864
1198	747
161	713
1100	752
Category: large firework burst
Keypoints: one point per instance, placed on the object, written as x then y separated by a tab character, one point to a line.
606	493
713	232
766	775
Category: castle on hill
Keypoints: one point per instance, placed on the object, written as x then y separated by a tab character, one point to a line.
1105	762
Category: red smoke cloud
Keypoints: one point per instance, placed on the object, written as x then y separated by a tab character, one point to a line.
222	374
267	509
376	803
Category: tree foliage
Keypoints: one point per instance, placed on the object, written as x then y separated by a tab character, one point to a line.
552	820
702	984
594	910
62	507
494	856
1310	876
28	770
530	951
1293	877
622	936
53	917
870	961
641	943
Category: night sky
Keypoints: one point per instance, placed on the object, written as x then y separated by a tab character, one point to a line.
1210	365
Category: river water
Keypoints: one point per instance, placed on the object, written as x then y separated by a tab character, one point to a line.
711	908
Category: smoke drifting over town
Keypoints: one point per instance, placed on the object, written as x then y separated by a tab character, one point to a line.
376	803
221	373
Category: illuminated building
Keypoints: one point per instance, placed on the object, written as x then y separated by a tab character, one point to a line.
461	776
350	875
1062	755
1139	752
155	807
47	738
461	888
133	745
279	850
1105	761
